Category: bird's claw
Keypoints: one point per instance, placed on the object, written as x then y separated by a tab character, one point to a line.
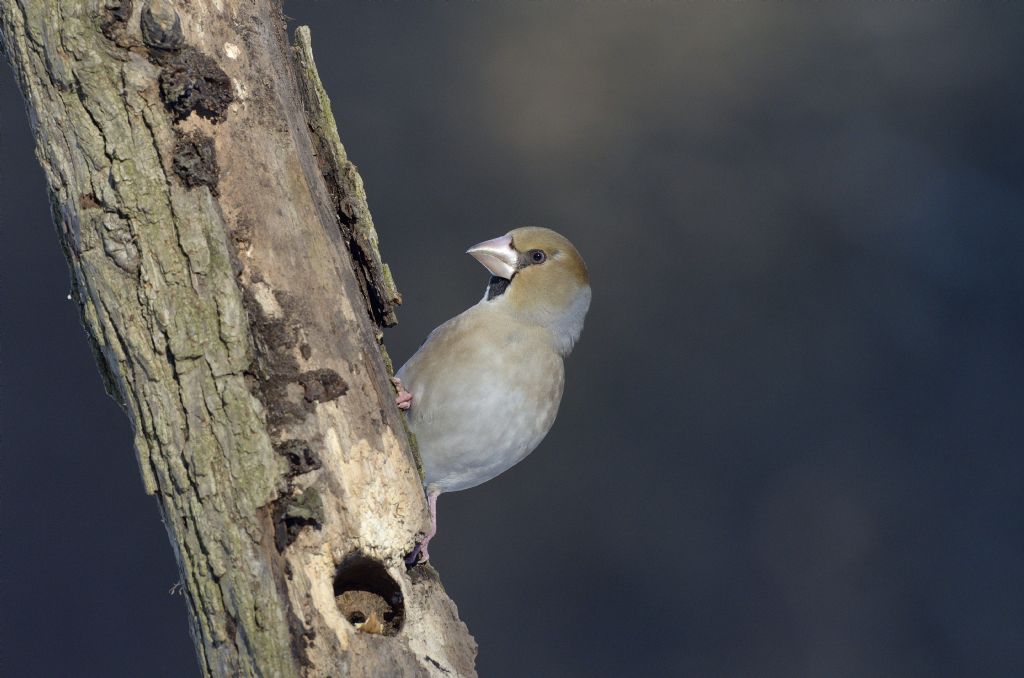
417	556
404	398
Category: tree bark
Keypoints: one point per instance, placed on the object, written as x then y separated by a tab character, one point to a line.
227	271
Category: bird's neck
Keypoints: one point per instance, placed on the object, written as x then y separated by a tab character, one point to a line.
563	324
567	325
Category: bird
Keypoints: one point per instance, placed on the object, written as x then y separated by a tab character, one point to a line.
483	390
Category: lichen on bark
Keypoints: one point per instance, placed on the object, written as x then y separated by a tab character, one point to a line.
212	257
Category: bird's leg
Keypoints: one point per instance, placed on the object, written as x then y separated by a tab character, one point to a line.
420	554
404	398
432	503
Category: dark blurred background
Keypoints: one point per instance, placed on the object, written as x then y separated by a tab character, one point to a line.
791	438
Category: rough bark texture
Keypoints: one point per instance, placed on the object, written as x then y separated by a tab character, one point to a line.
227	270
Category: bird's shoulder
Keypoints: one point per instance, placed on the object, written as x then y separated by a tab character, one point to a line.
474	340
473	327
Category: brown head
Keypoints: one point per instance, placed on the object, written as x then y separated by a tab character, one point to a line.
540	277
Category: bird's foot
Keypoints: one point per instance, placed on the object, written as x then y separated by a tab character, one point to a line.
404	398
418	555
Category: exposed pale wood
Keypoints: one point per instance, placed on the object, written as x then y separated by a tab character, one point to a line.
236	319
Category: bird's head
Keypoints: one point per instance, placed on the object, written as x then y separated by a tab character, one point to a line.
538	276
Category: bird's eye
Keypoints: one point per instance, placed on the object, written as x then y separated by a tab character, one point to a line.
537	256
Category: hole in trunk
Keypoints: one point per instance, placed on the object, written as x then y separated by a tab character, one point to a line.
368	597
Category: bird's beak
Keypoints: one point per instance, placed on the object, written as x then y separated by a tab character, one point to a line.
498	256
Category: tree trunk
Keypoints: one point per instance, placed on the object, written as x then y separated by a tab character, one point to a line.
227	271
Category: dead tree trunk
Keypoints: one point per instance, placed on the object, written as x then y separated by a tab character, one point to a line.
227	271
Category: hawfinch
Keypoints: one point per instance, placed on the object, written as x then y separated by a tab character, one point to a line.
483	390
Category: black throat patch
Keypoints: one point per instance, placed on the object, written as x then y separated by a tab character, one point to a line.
497	287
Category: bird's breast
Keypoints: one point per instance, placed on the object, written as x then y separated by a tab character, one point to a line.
480	409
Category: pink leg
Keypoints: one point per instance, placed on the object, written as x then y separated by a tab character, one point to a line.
420	554
404	398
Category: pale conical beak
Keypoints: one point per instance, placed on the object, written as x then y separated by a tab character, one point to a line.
498	256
